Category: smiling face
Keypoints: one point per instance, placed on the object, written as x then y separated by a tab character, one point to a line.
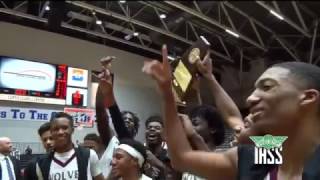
153	133
275	102
61	132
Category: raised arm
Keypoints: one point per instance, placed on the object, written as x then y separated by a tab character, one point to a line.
118	122
195	140
107	99
101	115
223	101
208	165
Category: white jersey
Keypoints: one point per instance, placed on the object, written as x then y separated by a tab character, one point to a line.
144	177
64	166
106	158
188	176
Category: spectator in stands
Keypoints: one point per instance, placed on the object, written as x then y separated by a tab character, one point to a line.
9	166
66	161
45	136
128	160
285	102
28	151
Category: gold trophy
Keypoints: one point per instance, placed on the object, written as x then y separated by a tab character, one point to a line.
185	68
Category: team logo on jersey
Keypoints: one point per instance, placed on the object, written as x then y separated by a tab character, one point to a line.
268	149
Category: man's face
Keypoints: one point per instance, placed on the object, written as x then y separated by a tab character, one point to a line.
274	104
47	141
122	163
61	132
91	145
154	133
129	122
5	146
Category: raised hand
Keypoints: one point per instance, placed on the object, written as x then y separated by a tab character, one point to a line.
205	66
105	83
160	71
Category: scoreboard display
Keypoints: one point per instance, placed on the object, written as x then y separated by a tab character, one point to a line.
29	81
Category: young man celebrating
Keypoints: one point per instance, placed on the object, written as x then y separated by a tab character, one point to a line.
157	154
105	100
67	161
207	131
128	160
285	102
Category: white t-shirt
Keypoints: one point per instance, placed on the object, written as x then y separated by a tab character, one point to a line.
64	166
106	158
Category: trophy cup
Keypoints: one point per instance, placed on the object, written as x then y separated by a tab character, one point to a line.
185	68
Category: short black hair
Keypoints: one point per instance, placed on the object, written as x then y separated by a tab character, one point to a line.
154	118
44	128
93	137
214	120
136	145
62	115
305	73
135	118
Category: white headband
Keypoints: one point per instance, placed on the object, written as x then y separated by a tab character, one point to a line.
134	153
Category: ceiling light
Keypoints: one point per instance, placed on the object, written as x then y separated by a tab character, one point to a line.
93	13
47	8
99	22
277	15
163	16
171	58
205	40
232	33
128	37
122	2
135	34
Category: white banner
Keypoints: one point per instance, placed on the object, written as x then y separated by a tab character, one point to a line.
28	114
81	117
